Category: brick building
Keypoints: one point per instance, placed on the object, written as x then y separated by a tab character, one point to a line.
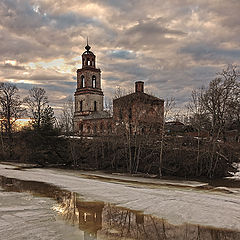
137	112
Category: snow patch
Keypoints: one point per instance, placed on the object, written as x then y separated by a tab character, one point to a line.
236	175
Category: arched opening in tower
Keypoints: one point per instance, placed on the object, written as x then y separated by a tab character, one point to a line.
94	81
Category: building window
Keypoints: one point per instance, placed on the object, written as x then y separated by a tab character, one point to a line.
93	81
95	106
81	127
82	81
81	105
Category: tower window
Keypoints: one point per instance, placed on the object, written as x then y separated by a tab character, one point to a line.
88	62
95	106
82	81
93	81
81	105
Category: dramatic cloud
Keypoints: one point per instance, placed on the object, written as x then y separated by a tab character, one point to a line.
174	46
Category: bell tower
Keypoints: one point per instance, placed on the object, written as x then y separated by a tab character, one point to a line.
88	95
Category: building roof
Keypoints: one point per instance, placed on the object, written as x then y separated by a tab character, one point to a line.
138	96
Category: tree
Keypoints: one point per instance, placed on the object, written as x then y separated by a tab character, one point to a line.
37	101
66	117
10	106
119	92
221	99
199	120
47	119
214	108
168	106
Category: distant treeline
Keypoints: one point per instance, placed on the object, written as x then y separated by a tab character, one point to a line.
183	157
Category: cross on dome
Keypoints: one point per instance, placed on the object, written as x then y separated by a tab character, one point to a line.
87	47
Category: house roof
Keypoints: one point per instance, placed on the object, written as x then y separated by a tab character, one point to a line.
138	96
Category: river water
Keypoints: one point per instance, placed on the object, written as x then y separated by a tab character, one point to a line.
99	220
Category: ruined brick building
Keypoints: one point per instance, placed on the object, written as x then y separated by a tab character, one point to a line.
136	113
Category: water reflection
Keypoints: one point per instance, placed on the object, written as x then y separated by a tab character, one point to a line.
105	221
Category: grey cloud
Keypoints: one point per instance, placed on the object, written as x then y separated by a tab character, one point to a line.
58	88
38	77
205	51
27	49
139	72
174	46
72	19
16	15
148	33
152	26
31	31
47	77
121	54
112	79
12	67
21	17
68	87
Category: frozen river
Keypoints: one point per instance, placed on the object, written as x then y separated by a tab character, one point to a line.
57	204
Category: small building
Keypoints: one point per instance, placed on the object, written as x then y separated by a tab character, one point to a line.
136	113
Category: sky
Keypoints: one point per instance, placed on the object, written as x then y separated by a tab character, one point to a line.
174	46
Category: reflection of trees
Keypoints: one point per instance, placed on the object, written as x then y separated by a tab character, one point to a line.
125	224
99	221
67	207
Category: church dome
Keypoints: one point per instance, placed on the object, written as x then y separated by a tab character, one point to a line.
88	50
88	58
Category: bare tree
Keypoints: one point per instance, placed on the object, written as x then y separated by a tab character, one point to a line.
37	102
199	119
221	98
168	106
10	106
10	110
66	117
214	108
108	105
119	92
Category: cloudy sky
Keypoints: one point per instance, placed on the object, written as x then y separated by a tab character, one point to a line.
173	46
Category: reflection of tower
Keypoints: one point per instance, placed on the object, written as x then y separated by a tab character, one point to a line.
90	218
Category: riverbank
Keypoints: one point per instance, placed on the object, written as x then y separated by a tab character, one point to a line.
176	204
